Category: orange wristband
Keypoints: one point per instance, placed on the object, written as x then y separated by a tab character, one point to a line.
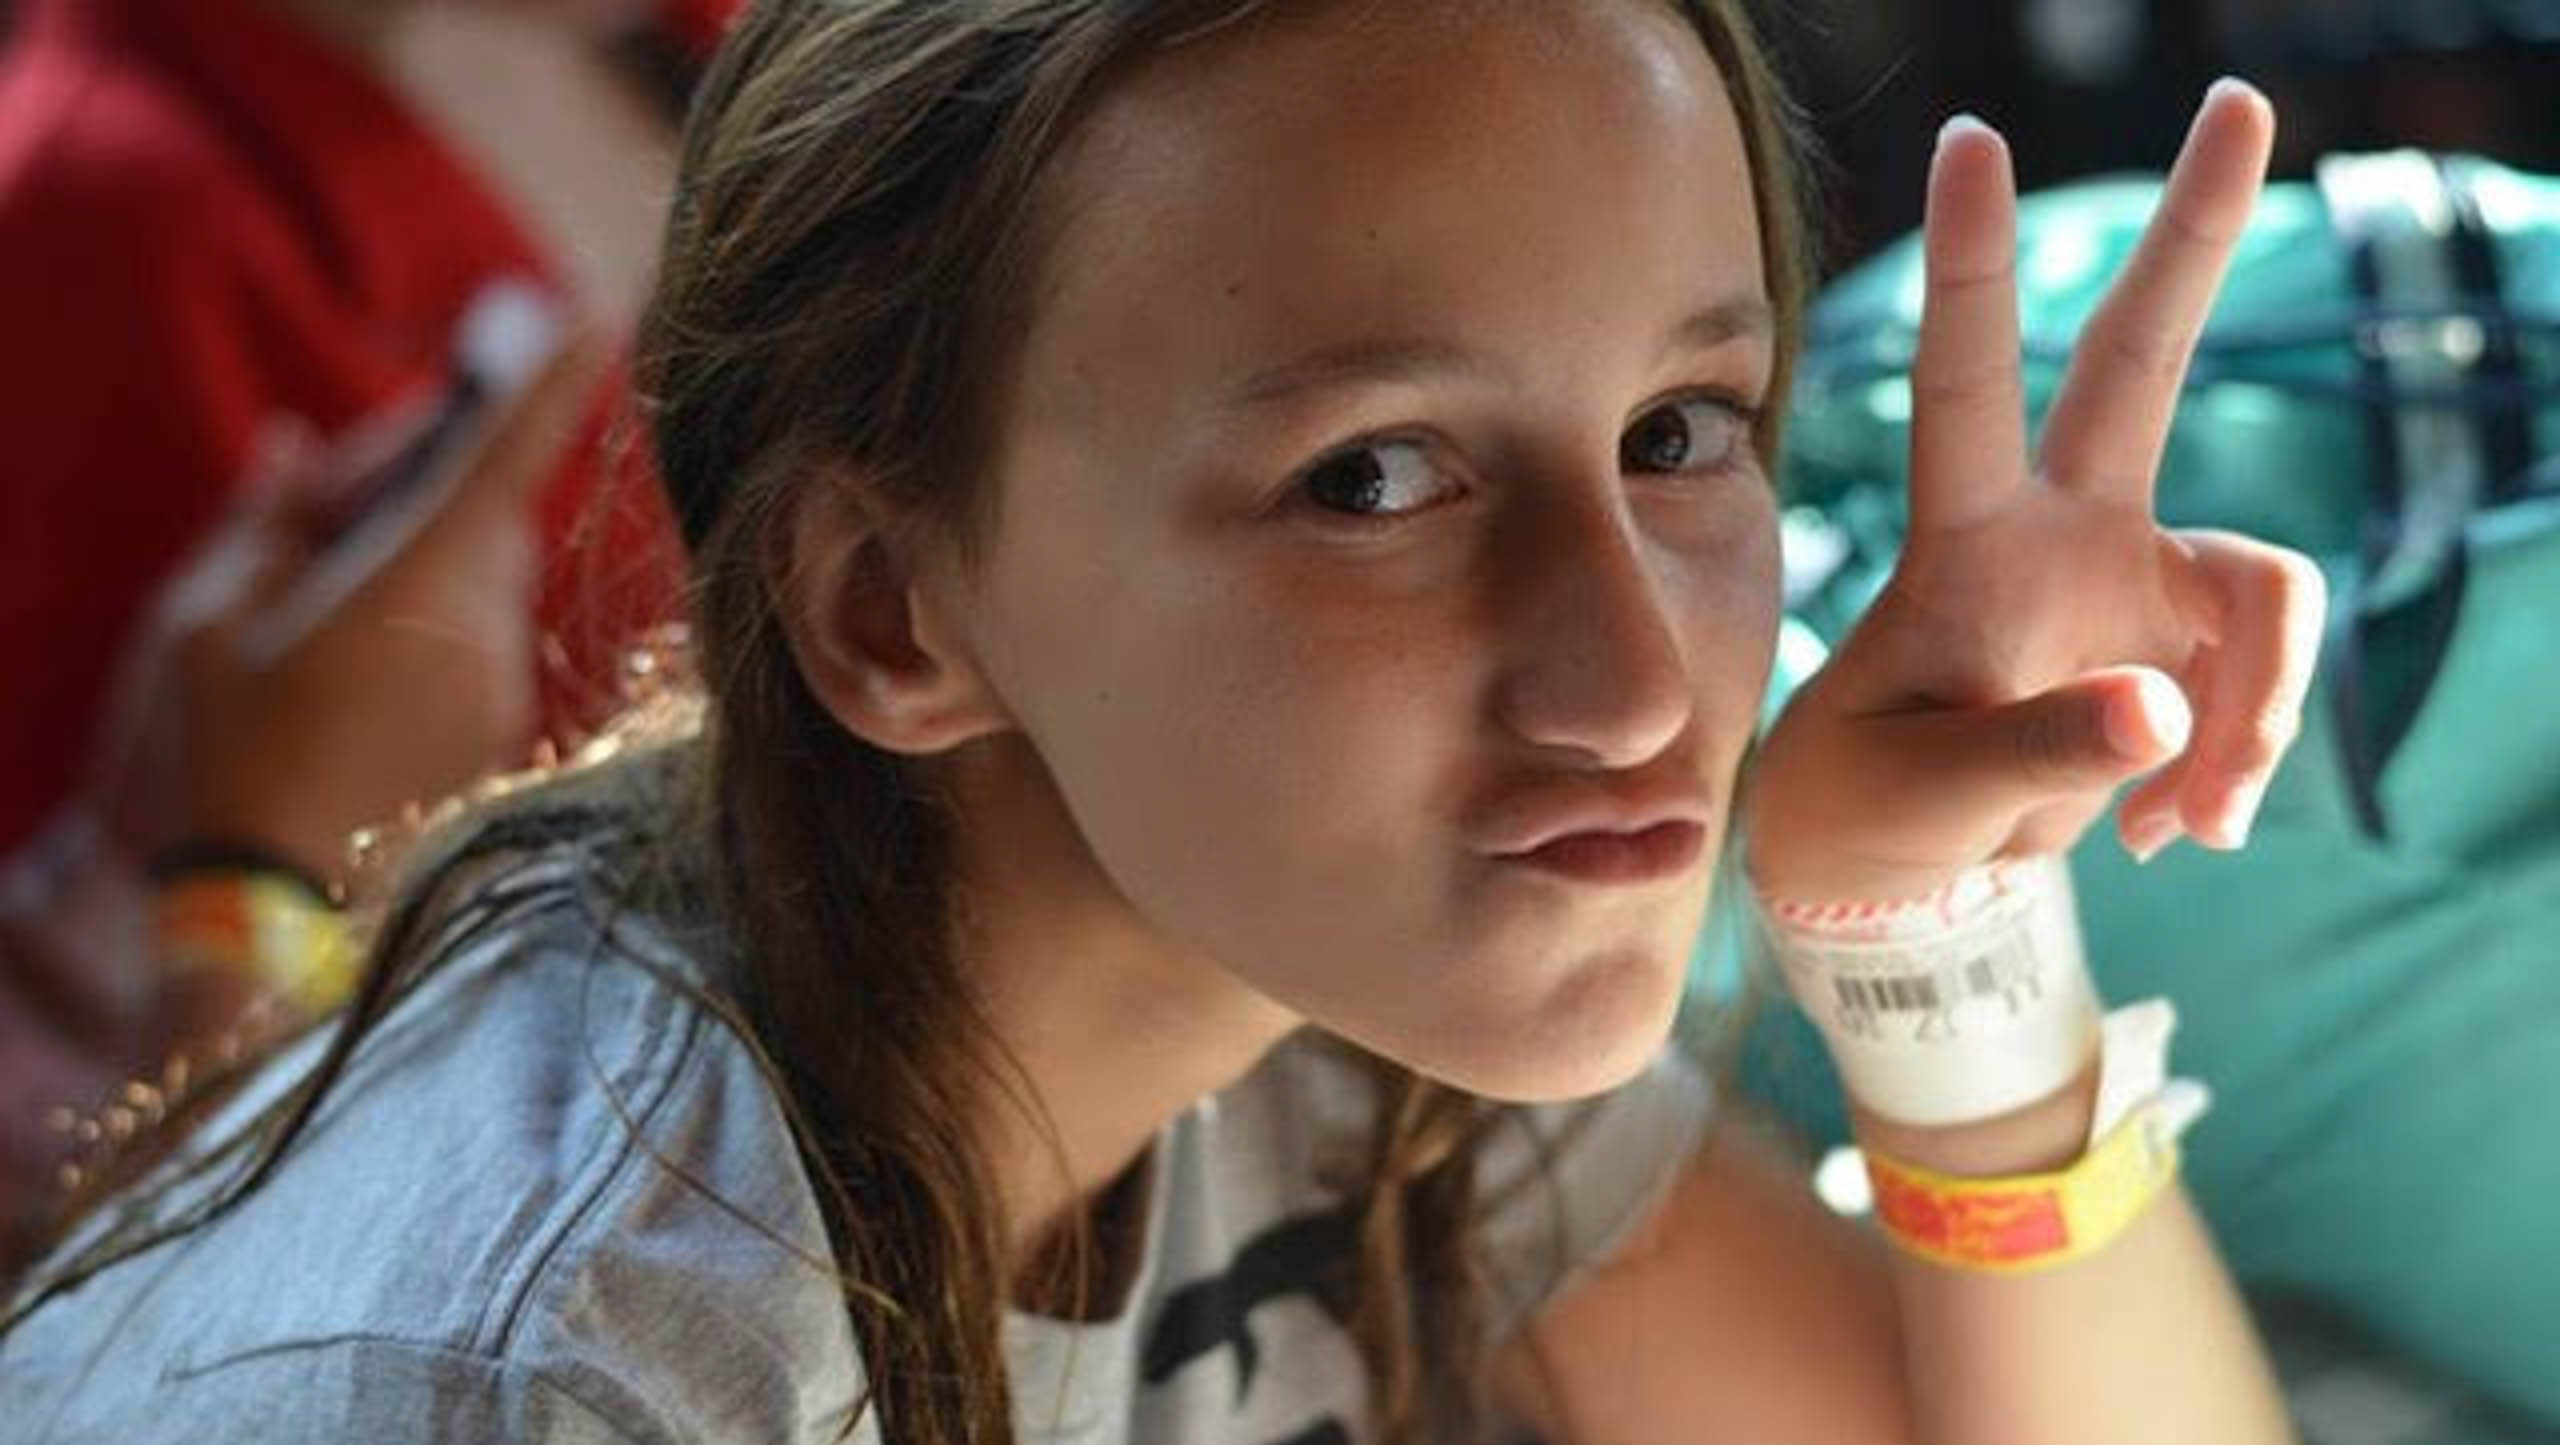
2030	1222
269	926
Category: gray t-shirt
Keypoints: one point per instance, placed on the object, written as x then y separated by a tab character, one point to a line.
555	1199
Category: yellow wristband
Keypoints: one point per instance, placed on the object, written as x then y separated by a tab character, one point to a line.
2030	1222
266	925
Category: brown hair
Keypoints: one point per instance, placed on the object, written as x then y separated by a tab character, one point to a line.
849	242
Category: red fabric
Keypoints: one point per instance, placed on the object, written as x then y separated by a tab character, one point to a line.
210	220
697	26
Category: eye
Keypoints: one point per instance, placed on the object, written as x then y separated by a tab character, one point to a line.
1375	480
1691	434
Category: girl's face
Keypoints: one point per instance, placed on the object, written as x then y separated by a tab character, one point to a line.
1378	502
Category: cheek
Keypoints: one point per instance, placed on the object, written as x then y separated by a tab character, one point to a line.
1241	743
1756	603
1237	754
1270	766
1729	580
1325	742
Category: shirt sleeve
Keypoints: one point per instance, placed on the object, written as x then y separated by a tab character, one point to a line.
1561	1186
135	391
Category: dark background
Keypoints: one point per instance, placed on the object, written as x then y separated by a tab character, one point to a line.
2090	86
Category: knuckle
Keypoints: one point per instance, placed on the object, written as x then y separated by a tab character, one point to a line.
2298	586
2294	595
2155	351
1995	277
2193	229
1941	384
2261	744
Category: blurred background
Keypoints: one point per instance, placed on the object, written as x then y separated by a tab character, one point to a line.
2106	85
2094	86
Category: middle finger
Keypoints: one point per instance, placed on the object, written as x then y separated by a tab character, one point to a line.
2111	419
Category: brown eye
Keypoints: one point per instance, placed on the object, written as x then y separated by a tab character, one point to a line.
1382	479
1696	434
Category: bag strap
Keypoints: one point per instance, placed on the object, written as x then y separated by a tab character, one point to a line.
2425	270
2502	396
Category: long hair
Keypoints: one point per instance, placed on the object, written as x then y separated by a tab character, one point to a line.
857	224
856	233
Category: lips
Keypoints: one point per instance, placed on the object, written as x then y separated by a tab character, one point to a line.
1643	855
1531	821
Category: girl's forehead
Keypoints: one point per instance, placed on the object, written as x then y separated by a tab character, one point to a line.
1294	81
1334	168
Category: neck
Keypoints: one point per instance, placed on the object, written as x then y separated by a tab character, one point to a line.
1115	1031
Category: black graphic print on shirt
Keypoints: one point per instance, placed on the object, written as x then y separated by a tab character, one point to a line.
1311	1255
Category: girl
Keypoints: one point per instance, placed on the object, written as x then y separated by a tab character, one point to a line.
1237	568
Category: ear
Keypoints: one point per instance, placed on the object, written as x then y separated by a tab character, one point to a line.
866	611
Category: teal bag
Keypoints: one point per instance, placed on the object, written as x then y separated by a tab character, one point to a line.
2373	987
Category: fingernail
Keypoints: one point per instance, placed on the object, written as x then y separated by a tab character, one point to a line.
2239	814
1958	124
2228	85
2153	723
2145	837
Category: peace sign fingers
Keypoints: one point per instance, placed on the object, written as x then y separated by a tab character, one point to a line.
2108	425
1968	413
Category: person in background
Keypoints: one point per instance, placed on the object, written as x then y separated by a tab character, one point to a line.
152	928
217	216
223	221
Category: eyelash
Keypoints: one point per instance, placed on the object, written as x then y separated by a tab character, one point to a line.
1743	415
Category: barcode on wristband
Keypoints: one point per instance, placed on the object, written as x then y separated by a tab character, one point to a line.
1890	995
1928	1002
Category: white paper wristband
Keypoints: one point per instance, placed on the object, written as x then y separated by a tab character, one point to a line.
1959	1006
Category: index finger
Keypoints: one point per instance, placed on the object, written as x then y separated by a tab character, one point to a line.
1968	408
2111	420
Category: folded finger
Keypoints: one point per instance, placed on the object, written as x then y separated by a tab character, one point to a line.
2147	818
2260	671
2065	748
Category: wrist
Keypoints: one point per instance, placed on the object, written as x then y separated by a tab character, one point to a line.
266	837
2053	1181
221	855
2049	1133
1966	1004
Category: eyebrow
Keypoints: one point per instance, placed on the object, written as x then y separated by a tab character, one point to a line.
1394	359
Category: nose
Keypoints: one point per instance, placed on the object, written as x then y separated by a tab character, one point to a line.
1594	662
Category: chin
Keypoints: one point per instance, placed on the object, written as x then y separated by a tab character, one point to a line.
1586	1033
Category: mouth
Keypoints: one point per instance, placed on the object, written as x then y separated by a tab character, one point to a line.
1618	858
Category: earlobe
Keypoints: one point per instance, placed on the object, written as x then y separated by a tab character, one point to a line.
867	629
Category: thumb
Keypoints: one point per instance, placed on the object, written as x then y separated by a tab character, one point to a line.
2089	734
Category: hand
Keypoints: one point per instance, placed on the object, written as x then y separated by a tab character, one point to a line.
416	680
2043	640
